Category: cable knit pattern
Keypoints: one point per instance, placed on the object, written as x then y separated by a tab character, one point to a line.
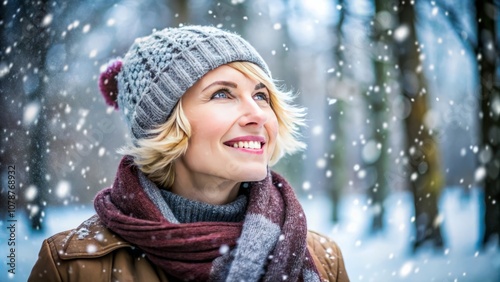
158	69
187	211
177	209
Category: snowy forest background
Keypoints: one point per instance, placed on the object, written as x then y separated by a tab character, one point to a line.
403	159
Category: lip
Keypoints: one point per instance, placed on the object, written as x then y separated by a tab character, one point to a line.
254	138
260	139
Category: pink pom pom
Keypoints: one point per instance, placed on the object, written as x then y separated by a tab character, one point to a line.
108	83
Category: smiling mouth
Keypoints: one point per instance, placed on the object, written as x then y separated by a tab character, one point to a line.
256	145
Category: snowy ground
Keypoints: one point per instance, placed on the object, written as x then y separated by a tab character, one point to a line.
388	256
385	257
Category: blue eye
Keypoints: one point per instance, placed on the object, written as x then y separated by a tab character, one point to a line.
261	96
221	94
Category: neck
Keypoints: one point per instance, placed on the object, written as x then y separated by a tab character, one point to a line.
204	188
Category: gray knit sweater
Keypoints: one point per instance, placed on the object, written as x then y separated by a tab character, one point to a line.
178	209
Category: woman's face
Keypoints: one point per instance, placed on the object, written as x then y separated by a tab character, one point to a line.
234	128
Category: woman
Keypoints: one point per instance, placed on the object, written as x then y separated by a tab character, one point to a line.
193	198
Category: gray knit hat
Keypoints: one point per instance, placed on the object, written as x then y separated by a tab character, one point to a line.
159	68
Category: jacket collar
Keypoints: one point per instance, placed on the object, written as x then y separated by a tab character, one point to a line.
90	240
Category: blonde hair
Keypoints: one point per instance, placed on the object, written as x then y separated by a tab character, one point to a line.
155	156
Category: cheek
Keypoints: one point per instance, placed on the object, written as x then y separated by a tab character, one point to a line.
207	130
272	131
272	128
209	117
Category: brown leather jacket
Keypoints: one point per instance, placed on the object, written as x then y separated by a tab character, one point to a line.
92	252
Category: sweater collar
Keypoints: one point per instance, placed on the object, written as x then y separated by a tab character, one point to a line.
178	209
189	211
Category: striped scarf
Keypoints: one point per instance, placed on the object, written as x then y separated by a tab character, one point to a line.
269	245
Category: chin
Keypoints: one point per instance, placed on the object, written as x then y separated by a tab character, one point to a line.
251	175
244	171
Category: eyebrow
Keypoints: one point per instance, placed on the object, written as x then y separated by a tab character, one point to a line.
219	82
260	85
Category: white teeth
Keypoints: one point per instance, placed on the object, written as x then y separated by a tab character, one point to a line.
248	144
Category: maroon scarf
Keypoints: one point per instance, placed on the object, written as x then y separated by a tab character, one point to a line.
187	251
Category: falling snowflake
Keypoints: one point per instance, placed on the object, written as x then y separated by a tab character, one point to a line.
91	248
401	33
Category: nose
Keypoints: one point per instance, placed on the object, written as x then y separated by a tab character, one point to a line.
252	113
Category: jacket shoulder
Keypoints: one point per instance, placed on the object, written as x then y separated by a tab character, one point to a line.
89	240
327	257
91	252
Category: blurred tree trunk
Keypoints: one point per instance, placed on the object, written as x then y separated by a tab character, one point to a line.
287	70
485	52
487	58
424	172
34	42
336	154
377	102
